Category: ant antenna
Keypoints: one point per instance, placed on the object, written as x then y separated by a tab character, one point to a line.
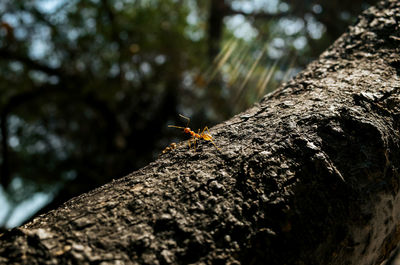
179	127
188	119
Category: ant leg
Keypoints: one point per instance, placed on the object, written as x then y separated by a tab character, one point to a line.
219	149
211	140
192	141
196	139
207	135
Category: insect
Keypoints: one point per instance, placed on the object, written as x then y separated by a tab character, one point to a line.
195	136
169	148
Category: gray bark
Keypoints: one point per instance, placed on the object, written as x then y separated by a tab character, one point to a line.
310	175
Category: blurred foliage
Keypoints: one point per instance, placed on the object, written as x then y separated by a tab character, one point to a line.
89	86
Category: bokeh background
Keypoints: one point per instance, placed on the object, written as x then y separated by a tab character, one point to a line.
88	87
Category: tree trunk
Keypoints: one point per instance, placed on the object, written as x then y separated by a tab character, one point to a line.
310	175
215	26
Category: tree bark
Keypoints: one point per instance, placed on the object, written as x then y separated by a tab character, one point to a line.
310	175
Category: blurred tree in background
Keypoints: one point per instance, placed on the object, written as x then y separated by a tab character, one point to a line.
89	86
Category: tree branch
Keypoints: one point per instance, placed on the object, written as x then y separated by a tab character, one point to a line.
12	103
10	55
307	176
257	15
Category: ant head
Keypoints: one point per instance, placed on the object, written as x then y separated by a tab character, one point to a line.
187	130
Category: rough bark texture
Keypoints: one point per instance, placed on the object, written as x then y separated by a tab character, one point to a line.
310	175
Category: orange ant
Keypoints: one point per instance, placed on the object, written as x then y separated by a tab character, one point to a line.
169	148
196	136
